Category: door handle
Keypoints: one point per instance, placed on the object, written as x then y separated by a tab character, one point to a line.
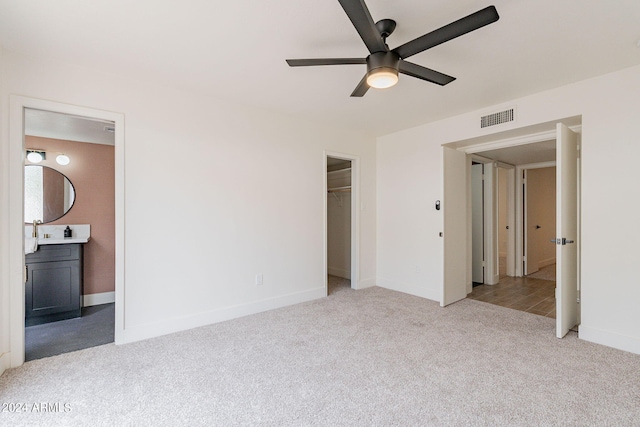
561	241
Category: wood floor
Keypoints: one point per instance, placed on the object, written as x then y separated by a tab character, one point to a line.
535	296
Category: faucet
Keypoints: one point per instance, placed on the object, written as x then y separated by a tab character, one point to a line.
35	227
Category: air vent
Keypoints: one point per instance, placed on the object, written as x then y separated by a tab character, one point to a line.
505	116
109	129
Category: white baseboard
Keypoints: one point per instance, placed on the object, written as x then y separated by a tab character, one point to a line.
394	285
610	339
177	324
545	262
5	362
367	283
345	274
98	299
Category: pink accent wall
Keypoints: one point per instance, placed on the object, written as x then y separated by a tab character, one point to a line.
92	173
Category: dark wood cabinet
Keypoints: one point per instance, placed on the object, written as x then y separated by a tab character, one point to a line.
54	283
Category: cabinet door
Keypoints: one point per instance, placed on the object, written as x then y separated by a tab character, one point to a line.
52	287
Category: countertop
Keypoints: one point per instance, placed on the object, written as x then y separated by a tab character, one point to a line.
62	241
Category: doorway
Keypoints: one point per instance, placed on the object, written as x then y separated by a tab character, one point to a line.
567	149
88	171
539	220
341	222
485	203
18	105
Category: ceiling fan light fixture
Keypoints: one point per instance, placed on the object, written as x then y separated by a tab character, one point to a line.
382	78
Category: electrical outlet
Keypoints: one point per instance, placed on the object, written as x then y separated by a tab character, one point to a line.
258	279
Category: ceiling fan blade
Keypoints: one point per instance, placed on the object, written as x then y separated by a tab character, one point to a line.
362	87
361	19
460	27
420	72
325	61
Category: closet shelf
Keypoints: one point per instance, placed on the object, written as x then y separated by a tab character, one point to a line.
339	189
339	170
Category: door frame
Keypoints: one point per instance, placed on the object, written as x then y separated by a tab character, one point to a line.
490	218
478	227
17	105
355	216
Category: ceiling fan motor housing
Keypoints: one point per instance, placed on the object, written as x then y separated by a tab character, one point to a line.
388	61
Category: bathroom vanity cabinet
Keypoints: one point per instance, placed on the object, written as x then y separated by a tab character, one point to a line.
54	283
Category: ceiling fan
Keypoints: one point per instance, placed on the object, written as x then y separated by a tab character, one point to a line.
384	64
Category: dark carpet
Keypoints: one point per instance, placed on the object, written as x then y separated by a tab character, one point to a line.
94	328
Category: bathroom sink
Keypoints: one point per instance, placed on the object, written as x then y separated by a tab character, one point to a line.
54	234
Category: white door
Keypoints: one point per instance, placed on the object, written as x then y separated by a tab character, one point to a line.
477	224
566	229
456	236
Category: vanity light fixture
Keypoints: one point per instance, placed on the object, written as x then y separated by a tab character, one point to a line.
36	156
62	159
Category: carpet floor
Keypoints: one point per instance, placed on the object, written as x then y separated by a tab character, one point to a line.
354	358
95	327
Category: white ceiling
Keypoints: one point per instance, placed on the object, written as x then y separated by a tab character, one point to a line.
537	152
236	50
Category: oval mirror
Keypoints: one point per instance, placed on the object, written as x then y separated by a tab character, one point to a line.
48	194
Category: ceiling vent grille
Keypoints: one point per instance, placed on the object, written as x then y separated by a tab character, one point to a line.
505	116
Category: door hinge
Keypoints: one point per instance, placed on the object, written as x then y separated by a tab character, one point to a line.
26	274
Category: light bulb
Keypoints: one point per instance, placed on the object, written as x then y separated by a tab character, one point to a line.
63	160
382	79
34	157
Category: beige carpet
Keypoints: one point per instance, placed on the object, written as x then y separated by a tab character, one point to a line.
355	358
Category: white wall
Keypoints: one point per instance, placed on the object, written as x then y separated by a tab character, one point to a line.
4	231
409	181
208	204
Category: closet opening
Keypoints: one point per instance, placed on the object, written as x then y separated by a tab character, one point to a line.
339	225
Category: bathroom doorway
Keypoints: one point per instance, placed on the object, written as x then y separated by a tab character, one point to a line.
19	109
88	284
